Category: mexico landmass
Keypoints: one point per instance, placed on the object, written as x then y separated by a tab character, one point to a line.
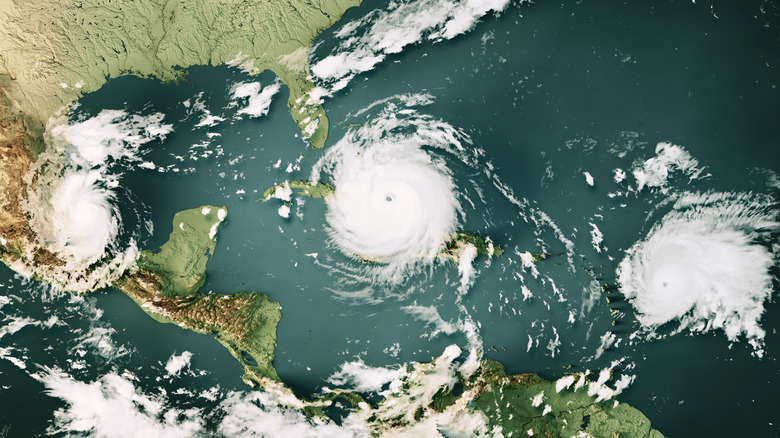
54	52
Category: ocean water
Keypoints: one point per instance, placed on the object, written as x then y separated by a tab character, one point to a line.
548	91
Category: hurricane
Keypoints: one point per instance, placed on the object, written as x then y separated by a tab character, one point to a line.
395	203
706	264
75	188
411	201
86	219
392	203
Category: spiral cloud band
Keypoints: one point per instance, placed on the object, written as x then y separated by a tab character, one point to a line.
73	203
385	209
395	201
706	264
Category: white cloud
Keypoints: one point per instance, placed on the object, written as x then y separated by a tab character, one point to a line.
357	376
13	324
707	265
367	41
99	340
111	134
176	364
206	118
537	400
83	215
112	406
466	267
588	178
607	340
620	175
430	315
209	120
72	205
655	171
395	201
5	353
597	237
257	414
258	100
410	388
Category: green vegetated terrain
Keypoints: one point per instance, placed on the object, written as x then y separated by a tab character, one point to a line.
53	52
509	400
166	286
303	188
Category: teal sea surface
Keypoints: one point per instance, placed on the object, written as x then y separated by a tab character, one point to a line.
549	91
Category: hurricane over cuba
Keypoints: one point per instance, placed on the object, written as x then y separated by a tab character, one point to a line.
395	203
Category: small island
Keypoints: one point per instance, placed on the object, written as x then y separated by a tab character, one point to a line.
453	247
306	188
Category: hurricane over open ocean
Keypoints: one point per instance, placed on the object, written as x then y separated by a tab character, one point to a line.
420	218
707	263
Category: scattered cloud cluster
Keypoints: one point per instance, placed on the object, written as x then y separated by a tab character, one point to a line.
368	41
257	98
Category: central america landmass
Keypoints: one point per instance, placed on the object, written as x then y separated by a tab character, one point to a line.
166	285
52	53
